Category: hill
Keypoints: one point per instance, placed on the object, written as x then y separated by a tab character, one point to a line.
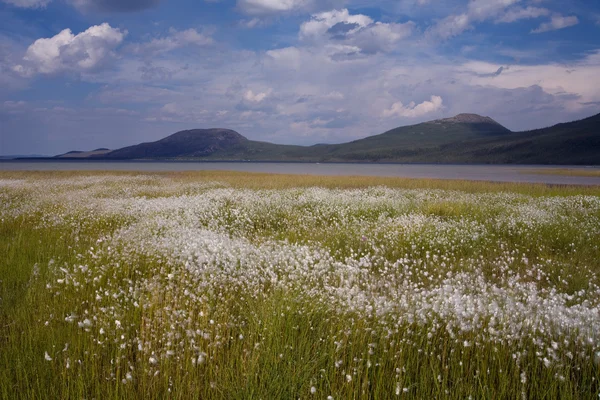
84	154
191	143
415	142
464	138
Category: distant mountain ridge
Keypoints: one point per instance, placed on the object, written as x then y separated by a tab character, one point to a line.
84	154
464	138
17	156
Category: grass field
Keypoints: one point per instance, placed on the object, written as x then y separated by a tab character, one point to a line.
223	285
564	171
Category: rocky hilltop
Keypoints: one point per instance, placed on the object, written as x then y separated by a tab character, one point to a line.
467	119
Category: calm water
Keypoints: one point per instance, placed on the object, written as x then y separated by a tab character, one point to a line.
499	173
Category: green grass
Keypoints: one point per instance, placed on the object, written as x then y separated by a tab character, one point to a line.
248	180
564	172
257	331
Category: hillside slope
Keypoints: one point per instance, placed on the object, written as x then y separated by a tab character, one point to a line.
412	141
576	143
191	143
465	138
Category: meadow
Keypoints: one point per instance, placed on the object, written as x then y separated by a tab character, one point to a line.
224	285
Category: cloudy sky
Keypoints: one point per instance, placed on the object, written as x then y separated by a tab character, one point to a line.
83	74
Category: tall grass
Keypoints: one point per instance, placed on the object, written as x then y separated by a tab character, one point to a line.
229	285
564	171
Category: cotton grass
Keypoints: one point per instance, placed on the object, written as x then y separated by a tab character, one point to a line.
195	288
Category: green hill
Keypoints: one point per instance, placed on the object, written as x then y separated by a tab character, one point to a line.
465	138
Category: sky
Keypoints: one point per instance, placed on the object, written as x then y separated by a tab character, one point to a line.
85	74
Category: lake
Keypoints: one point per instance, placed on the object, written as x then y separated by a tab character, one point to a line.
498	173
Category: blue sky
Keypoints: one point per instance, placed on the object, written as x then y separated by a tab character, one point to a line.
83	74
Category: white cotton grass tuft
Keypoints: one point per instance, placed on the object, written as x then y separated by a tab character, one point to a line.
379	258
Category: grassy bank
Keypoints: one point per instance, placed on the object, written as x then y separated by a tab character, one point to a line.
564	172
230	285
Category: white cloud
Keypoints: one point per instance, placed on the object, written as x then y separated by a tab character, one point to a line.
175	39
480	10
316	100
517	13
265	7
289	57
252	23
91	5
13	107
256	98
303	94
28	3
477	11
353	33
11	54
174	112
452	25
555	23
320	23
113	5
553	78
137	94
413	110
67	52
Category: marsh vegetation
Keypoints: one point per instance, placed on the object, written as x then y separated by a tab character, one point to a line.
230	285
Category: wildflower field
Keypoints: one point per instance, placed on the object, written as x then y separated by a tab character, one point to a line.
249	286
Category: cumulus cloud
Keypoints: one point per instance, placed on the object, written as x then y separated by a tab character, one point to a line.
353	33
176	39
477	11
13	107
252	23
301	94
65	51
480	10
413	110
553	79
557	22
91	5
138	94
452	25
266	7
114	5
323	22
11	54
272	8
150	72
256	97
175	112
288	57
28	3
317	100
517	13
